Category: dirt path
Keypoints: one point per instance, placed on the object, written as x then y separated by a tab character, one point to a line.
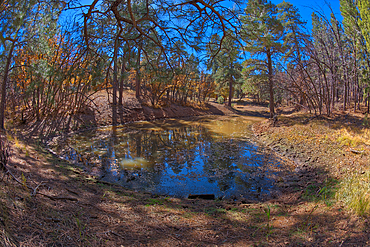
74	209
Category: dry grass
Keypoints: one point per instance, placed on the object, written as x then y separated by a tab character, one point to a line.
354	137
355	192
341	149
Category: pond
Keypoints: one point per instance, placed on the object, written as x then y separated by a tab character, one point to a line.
201	156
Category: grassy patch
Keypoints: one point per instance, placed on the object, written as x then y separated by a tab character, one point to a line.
155	201
324	193
211	211
355	192
353	137
189	215
348	140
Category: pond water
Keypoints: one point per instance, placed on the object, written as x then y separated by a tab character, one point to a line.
207	155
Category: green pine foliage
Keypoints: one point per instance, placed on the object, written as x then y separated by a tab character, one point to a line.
263	35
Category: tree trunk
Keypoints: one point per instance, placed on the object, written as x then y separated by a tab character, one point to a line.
3	86
271	84
345	96
138	86
120	89
114	84
230	91
38	96
355	97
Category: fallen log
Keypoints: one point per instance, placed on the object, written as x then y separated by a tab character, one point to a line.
202	196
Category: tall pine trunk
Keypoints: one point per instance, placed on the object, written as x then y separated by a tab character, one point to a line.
114	84
3	86
271	84
230	91
138	80
345	96
120	89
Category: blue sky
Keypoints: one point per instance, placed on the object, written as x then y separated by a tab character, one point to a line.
306	8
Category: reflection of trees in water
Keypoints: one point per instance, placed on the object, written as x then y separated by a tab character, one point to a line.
173	147
233	161
219	164
227	162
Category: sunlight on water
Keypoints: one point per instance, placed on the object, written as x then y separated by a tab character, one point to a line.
136	163
207	155
230	128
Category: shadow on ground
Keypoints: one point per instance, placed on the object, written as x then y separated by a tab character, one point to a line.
91	213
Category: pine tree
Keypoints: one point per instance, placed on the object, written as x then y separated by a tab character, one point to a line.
354	36
226	67
263	34
364	21
295	33
22	23
364	24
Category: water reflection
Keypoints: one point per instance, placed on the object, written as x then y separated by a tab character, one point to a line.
177	157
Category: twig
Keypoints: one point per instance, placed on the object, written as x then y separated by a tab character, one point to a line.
73	192
114	233
356	151
59	197
8	172
105	233
35	189
118	235
103	182
343	242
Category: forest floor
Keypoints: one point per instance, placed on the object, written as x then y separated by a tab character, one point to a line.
53	203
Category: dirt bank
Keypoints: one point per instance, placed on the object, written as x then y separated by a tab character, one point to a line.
99	112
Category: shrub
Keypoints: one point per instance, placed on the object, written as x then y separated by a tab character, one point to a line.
220	100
